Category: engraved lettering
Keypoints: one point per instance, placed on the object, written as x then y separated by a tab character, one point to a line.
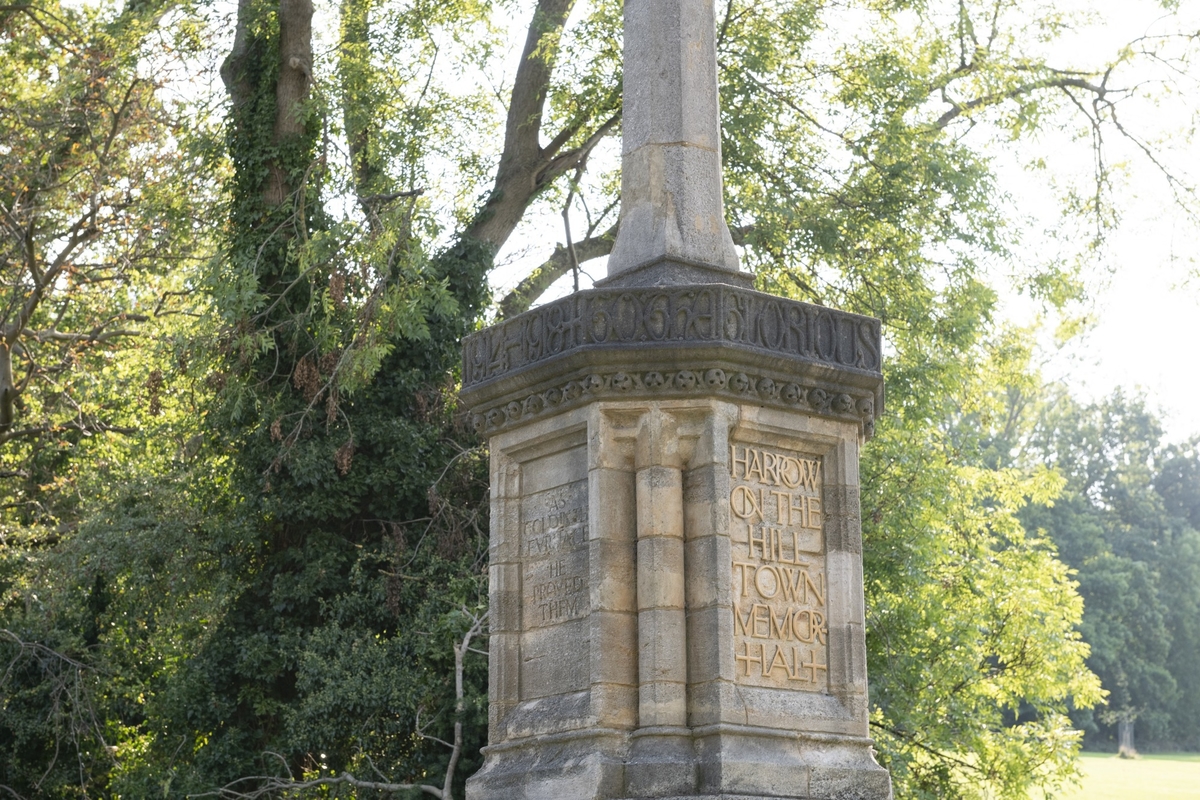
780	620
553	542
746	657
826	338
766	589
868	345
781	627
652	314
745	503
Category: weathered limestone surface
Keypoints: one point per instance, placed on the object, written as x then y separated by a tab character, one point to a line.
676	580
673	227
687	619
676	556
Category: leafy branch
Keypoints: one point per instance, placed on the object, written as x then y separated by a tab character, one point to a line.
254	787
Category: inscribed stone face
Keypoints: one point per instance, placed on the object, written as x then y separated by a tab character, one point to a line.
555	590
553	540
780	623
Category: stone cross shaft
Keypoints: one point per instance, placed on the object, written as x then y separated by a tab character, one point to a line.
671	190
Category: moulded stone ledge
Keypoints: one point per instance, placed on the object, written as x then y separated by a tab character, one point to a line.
645	378
674	341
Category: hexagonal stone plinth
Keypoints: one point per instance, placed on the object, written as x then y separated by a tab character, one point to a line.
676	567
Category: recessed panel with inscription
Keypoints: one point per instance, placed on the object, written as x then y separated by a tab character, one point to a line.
554	590
554	555
780	621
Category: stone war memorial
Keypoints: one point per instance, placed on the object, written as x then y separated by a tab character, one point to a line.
676	581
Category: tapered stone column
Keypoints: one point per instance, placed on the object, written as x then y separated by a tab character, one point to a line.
673	227
676	559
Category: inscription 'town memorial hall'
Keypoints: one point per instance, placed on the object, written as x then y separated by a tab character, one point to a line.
779	611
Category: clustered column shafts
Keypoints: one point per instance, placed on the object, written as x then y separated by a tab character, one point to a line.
662	647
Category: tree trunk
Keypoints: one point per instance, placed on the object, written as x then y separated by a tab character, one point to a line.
245	76
8	389
291	88
524	159
360	102
1125	748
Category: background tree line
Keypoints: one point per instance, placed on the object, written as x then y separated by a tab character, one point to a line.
1127	521
244	528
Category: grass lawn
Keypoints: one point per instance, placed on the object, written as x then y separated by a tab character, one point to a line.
1151	777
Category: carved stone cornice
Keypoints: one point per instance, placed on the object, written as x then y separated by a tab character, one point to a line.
676	341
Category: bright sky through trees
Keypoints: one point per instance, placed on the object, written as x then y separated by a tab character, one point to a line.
1145	293
1144	305
1147	320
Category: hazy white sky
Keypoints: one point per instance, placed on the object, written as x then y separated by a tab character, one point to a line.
1147	331
1145	298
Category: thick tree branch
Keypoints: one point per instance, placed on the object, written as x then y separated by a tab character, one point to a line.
83	233
37	430
912	740
565	162
234	67
460	651
291	88
93	337
526	293
359	114
526	167
8	388
532	83
270	786
1056	82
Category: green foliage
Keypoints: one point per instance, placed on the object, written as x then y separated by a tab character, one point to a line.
1124	523
102	211
356	562
973	654
268	576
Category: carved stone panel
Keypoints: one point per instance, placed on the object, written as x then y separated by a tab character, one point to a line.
777	518
554	555
554	580
673	316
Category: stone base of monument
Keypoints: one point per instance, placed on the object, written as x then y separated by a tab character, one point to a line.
725	766
676	561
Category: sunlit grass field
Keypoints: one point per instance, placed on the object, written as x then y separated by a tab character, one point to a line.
1151	777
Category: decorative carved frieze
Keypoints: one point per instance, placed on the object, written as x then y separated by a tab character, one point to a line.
764	390
713	314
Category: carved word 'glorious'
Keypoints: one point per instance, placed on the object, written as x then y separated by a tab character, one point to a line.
702	315
779	614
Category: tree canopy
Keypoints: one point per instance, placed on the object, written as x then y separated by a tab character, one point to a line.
1123	523
250	551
